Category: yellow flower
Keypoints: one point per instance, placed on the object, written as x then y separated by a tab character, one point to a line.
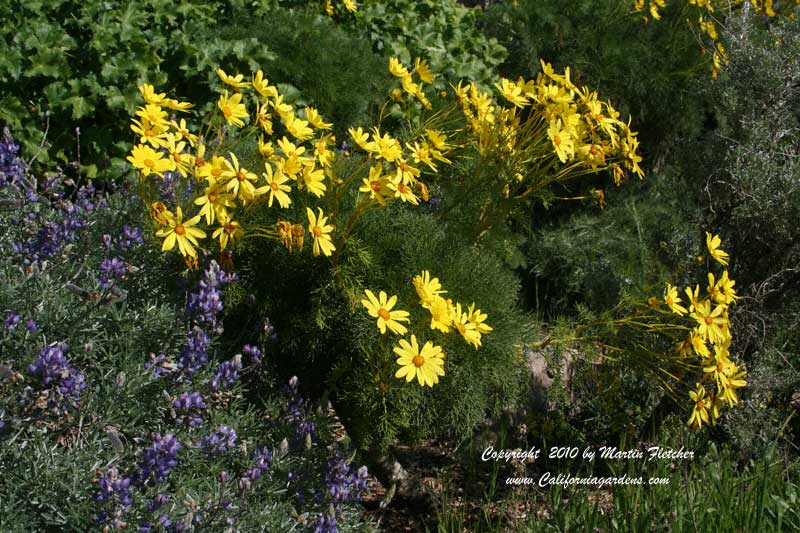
321	232
404	192
298	128
181	161
384	146
321	151
214	202
182	232
694	297
350	5
262	86
711	324
713	244
672	300
466	328
701	405
265	149
376	185
313	180
476	317
699	344
277	187
154	114
241	181
719	367
427	288
423	70
441	314
725	291
183	131
228	230
149	132
149	94
263	118
381	308
316	120
234	81
149	161
562	140
396	68
359	137
214	171
730	383
511	92
426	365
176	105
232	108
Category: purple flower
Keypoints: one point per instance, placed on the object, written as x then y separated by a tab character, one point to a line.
112	269
115	492
343	485
188	408
325	524
193	355
253	352
205	305
263	460
130	236
218	442
226	374
60	379
159	458
11	170
31	325
160	364
293	412
11	321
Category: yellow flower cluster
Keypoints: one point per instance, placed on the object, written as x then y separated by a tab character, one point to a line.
394	169
710	327
707	21
469	322
551	113
426	364
409	86
300	158
330	7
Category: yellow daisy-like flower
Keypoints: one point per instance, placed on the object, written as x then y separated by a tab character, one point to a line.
427	288
241	182
672	300
701	405
350	5
277	187
149	132
298	128
713	244
404	192
232	108
694	297
262	86
149	161
315	119
360	137
314	181
214	202
381	308
512	92
441	314
181	232
150	95
476	317
376	185
426	365
396	68
711	325
184	132
726	292
234	81
466	328
228	231
318	228
731	382
423	70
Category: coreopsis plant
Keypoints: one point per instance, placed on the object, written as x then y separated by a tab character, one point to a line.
682	338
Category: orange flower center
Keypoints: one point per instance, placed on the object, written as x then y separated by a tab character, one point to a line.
199	162
720	367
317	231
212	197
384	314
229	228
177	157
375	186
709	320
461	328
418	361
227	111
149	163
669	300
699	405
274	186
217	172
150	132
240	176
179	229
402	188
557	140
